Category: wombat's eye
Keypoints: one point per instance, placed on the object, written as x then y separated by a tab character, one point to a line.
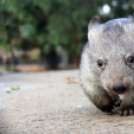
101	64
130	60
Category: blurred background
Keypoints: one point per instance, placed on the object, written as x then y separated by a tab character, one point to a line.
39	35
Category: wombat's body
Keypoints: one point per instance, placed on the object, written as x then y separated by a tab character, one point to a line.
107	64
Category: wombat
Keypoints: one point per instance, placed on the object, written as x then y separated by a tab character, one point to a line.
107	65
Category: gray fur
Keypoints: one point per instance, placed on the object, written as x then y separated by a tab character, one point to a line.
111	42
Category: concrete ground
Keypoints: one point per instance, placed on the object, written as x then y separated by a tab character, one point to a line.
47	104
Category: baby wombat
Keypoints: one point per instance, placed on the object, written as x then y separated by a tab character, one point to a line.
107	64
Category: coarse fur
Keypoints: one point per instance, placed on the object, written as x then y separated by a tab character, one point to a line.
111	42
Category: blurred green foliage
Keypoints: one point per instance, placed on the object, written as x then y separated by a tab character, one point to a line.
46	24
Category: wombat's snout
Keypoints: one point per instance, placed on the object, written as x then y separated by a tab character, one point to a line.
119	86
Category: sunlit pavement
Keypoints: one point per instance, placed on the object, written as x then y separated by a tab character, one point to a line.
53	103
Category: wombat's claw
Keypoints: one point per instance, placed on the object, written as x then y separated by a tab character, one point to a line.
126	112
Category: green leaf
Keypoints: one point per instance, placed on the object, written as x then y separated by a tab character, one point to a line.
28	31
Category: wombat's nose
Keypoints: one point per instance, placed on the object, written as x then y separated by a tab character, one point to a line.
119	86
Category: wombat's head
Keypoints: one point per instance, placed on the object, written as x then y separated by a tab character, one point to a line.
112	53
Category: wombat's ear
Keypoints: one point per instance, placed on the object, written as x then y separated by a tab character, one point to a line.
133	18
93	22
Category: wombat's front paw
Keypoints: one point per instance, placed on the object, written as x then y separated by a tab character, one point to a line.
126	112
107	106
